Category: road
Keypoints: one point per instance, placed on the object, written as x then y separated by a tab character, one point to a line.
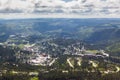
79	62
51	63
118	69
70	64
94	64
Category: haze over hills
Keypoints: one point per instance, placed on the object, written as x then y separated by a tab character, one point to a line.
83	29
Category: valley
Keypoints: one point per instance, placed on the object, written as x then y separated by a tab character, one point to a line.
60	49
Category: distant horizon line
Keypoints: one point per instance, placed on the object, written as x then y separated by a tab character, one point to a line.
52	16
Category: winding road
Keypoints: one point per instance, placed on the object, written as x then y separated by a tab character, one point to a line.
70	64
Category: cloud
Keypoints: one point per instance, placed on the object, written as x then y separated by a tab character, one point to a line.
76	7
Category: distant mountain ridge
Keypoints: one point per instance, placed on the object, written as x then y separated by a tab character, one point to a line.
85	29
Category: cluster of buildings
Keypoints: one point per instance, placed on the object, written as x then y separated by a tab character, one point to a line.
40	59
83	52
31	48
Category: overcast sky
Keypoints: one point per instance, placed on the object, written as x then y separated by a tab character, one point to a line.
59	8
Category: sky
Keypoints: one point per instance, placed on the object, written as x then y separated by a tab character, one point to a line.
59	9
